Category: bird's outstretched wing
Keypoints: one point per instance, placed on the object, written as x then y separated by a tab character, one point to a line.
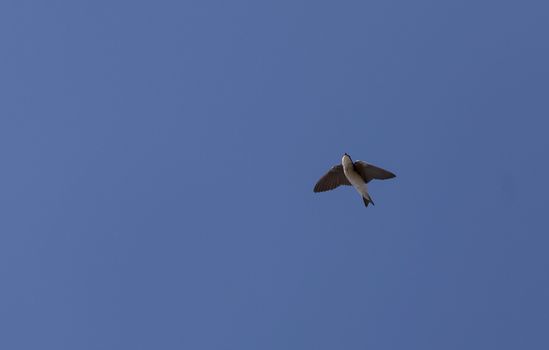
369	171
332	179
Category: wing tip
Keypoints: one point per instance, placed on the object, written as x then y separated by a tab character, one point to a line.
317	188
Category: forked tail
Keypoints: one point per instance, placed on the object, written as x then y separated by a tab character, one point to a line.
367	200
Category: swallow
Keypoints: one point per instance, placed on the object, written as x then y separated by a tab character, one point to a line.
356	174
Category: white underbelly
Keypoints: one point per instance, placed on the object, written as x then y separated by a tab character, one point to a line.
357	182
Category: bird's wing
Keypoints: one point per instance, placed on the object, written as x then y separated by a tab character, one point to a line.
332	179
369	171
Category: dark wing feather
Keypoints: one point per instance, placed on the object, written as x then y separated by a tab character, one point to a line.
332	179
369	171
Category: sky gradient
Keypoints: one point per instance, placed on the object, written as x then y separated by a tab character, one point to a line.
158	161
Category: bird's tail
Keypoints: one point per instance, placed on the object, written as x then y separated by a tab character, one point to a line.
367	200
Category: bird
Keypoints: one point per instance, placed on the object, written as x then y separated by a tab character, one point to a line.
356	174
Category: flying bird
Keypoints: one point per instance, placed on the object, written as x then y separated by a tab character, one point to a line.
356	174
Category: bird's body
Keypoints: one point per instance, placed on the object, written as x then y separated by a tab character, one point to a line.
354	178
356	174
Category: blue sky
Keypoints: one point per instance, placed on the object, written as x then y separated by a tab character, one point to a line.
158	161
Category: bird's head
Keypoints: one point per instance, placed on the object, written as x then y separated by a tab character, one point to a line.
346	159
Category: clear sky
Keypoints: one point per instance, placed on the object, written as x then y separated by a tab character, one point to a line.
158	160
